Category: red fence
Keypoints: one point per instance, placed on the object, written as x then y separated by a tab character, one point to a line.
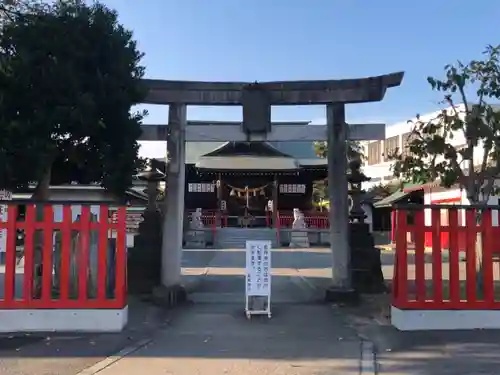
441	278
313	220
86	271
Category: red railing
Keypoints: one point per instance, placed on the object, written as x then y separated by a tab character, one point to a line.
440	279
33	287
312	220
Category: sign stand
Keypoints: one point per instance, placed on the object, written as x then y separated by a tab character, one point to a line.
258	278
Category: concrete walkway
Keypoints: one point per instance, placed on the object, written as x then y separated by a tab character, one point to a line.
212	335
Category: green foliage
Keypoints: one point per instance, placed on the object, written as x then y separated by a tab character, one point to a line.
354	149
383	190
69	74
470	92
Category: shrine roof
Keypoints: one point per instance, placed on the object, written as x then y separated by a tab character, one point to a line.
256	149
303	150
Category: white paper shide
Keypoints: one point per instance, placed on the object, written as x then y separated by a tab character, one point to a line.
5	195
258	276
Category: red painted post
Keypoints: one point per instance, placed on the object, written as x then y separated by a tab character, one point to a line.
47	250
102	252
10	255
470	266
121	260
437	259
419	233
29	263
488	244
453	256
66	230
400	289
83	258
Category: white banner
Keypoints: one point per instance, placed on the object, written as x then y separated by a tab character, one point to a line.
7	196
258	268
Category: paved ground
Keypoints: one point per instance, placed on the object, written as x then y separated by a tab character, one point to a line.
425	353
212	335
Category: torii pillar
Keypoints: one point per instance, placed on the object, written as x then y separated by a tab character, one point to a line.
174	211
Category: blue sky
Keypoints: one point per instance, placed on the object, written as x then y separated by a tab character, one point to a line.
263	40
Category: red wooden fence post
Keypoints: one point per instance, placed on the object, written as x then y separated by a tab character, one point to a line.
437	259
102	252
400	287
83	258
29	260
47	251
454	256
10	254
470	267
420	256
66	231
487	259
121	259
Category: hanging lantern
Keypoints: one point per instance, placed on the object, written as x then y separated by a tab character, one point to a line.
255	193
232	193
262	192
218	184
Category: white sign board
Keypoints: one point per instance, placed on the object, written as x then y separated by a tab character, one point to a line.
4	196
258	275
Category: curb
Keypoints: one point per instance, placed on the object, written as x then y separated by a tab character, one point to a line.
427	250
108	361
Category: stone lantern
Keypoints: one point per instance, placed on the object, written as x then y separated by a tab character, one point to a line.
355	178
153	178
366	266
144	259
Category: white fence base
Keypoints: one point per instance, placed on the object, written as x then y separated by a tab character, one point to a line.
59	320
419	320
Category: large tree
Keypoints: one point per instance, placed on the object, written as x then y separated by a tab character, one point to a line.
470	94
69	75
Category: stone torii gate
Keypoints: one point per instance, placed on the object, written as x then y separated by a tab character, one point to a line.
257	99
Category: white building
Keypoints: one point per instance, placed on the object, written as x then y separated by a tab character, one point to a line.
377	164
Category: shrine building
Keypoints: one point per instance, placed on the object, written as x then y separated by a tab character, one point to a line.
237	179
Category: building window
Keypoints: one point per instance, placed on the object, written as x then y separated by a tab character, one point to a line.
374	153
390	147
292	188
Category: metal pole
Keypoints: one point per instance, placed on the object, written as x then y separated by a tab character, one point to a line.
338	192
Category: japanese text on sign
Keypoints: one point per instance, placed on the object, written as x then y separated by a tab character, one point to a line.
258	268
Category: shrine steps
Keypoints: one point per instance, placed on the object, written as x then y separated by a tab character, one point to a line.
235	238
